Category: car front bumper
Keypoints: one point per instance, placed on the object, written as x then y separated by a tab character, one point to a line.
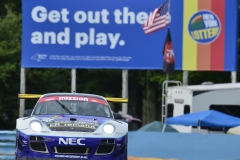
37	147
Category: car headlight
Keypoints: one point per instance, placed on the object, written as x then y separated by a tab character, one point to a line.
36	126
108	128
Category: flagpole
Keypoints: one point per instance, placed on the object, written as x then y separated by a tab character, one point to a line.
169	6
167	76
169	12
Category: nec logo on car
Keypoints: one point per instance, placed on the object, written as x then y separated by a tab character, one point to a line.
71	141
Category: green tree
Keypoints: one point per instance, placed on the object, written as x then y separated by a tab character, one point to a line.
10	49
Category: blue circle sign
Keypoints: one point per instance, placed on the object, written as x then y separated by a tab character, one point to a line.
204	27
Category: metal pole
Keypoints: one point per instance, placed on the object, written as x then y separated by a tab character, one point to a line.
22	91
124	89
234	76
185	78
165	103
73	80
167	78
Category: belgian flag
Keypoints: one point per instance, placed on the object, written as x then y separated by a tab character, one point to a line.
168	54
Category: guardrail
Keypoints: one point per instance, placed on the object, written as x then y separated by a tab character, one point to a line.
7	145
109	99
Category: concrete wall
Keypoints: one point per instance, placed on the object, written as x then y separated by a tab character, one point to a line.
184	146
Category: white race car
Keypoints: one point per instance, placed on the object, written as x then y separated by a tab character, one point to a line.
71	126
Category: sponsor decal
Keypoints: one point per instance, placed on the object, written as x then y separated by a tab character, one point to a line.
71	141
49	119
204	27
181	101
50	99
88	120
56	117
38	57
24	141
71	156
77	98
97	134
80	124
119	144
79	121
74	98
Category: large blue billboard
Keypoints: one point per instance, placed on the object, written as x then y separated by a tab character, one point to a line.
102	34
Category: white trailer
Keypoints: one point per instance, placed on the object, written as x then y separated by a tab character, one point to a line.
180	100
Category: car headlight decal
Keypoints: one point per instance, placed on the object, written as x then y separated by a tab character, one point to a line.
36	126
108	128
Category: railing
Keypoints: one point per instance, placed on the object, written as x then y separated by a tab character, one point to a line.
7	145
165	86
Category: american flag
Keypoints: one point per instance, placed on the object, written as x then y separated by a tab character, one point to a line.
158	19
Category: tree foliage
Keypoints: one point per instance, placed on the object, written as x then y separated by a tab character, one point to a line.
10	49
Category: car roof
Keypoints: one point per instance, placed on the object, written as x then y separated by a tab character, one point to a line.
73	94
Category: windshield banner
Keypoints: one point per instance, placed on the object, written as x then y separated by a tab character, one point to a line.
76	98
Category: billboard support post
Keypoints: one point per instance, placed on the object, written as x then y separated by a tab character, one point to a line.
73	80
22	91
234	76
185	78
124	89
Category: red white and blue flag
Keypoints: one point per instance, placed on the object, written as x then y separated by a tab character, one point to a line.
158	19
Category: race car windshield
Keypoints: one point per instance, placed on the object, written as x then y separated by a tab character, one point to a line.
75	107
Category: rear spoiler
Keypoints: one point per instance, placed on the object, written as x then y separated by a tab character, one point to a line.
32	96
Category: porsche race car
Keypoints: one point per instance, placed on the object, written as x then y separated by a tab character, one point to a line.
71	126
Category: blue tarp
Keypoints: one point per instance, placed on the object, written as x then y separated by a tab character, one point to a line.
156	126
209	118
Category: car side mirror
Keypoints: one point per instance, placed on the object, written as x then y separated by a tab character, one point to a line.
117	116
27	112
